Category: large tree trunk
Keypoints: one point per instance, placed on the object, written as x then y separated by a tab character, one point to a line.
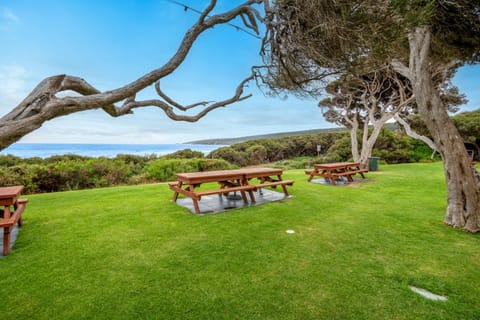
354	138
463	194
369	142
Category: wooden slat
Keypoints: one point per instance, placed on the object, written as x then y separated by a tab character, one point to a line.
182	191
274	183
15	216
224	190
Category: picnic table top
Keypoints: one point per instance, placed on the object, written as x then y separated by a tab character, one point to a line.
335	165
10	192
220	175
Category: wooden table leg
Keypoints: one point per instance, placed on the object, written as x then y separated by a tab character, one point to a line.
244	182
252	196
241	182
15	206
244	197
332	179
6	231
284	187
6	240
195	201
6	212
175	193
311	176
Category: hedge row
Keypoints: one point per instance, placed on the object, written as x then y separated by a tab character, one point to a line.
74	173
391	147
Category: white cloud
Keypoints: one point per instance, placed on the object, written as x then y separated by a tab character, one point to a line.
12	86
9	15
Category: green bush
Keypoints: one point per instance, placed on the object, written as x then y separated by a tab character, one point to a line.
135	160
70	172
297	163
257	154
184	154
393	147
277	149
166	169
21	174
230	155
341	150
421	151
9	160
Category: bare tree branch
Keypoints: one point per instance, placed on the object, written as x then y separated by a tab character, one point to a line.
45	102
415	135
175	104
168	107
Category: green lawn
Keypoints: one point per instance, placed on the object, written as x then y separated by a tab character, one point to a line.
130	253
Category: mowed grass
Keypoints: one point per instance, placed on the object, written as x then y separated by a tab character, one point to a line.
130	253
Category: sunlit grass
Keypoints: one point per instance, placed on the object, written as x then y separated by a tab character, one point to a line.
130	253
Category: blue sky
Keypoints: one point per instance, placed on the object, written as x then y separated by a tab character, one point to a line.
111	43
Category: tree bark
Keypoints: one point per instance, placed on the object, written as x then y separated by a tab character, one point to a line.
463	193
369	142
353	135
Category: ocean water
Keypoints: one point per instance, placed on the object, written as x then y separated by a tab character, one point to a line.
44	150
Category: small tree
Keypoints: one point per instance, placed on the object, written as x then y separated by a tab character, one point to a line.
366	102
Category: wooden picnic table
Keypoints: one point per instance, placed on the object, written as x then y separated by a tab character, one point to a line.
10	197
333	171
241	180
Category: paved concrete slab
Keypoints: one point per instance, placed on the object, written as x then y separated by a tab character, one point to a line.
219	203
341	181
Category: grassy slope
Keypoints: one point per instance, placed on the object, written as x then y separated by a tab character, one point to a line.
130	253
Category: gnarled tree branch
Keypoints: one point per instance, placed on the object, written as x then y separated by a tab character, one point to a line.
46	101
168	105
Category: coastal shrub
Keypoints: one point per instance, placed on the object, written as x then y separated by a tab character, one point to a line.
257	154
276	149
70	172
214	164
109	172
135	161
141	178
421	151
184	154
9	160
297	163
62	176
78	174
231	155
166	169
65	157
48	179
341	150
393	147
21	174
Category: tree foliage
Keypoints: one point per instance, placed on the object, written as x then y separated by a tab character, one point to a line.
468	124
423	40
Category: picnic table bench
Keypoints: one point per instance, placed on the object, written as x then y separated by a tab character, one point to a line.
332	171
10	196
238	180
